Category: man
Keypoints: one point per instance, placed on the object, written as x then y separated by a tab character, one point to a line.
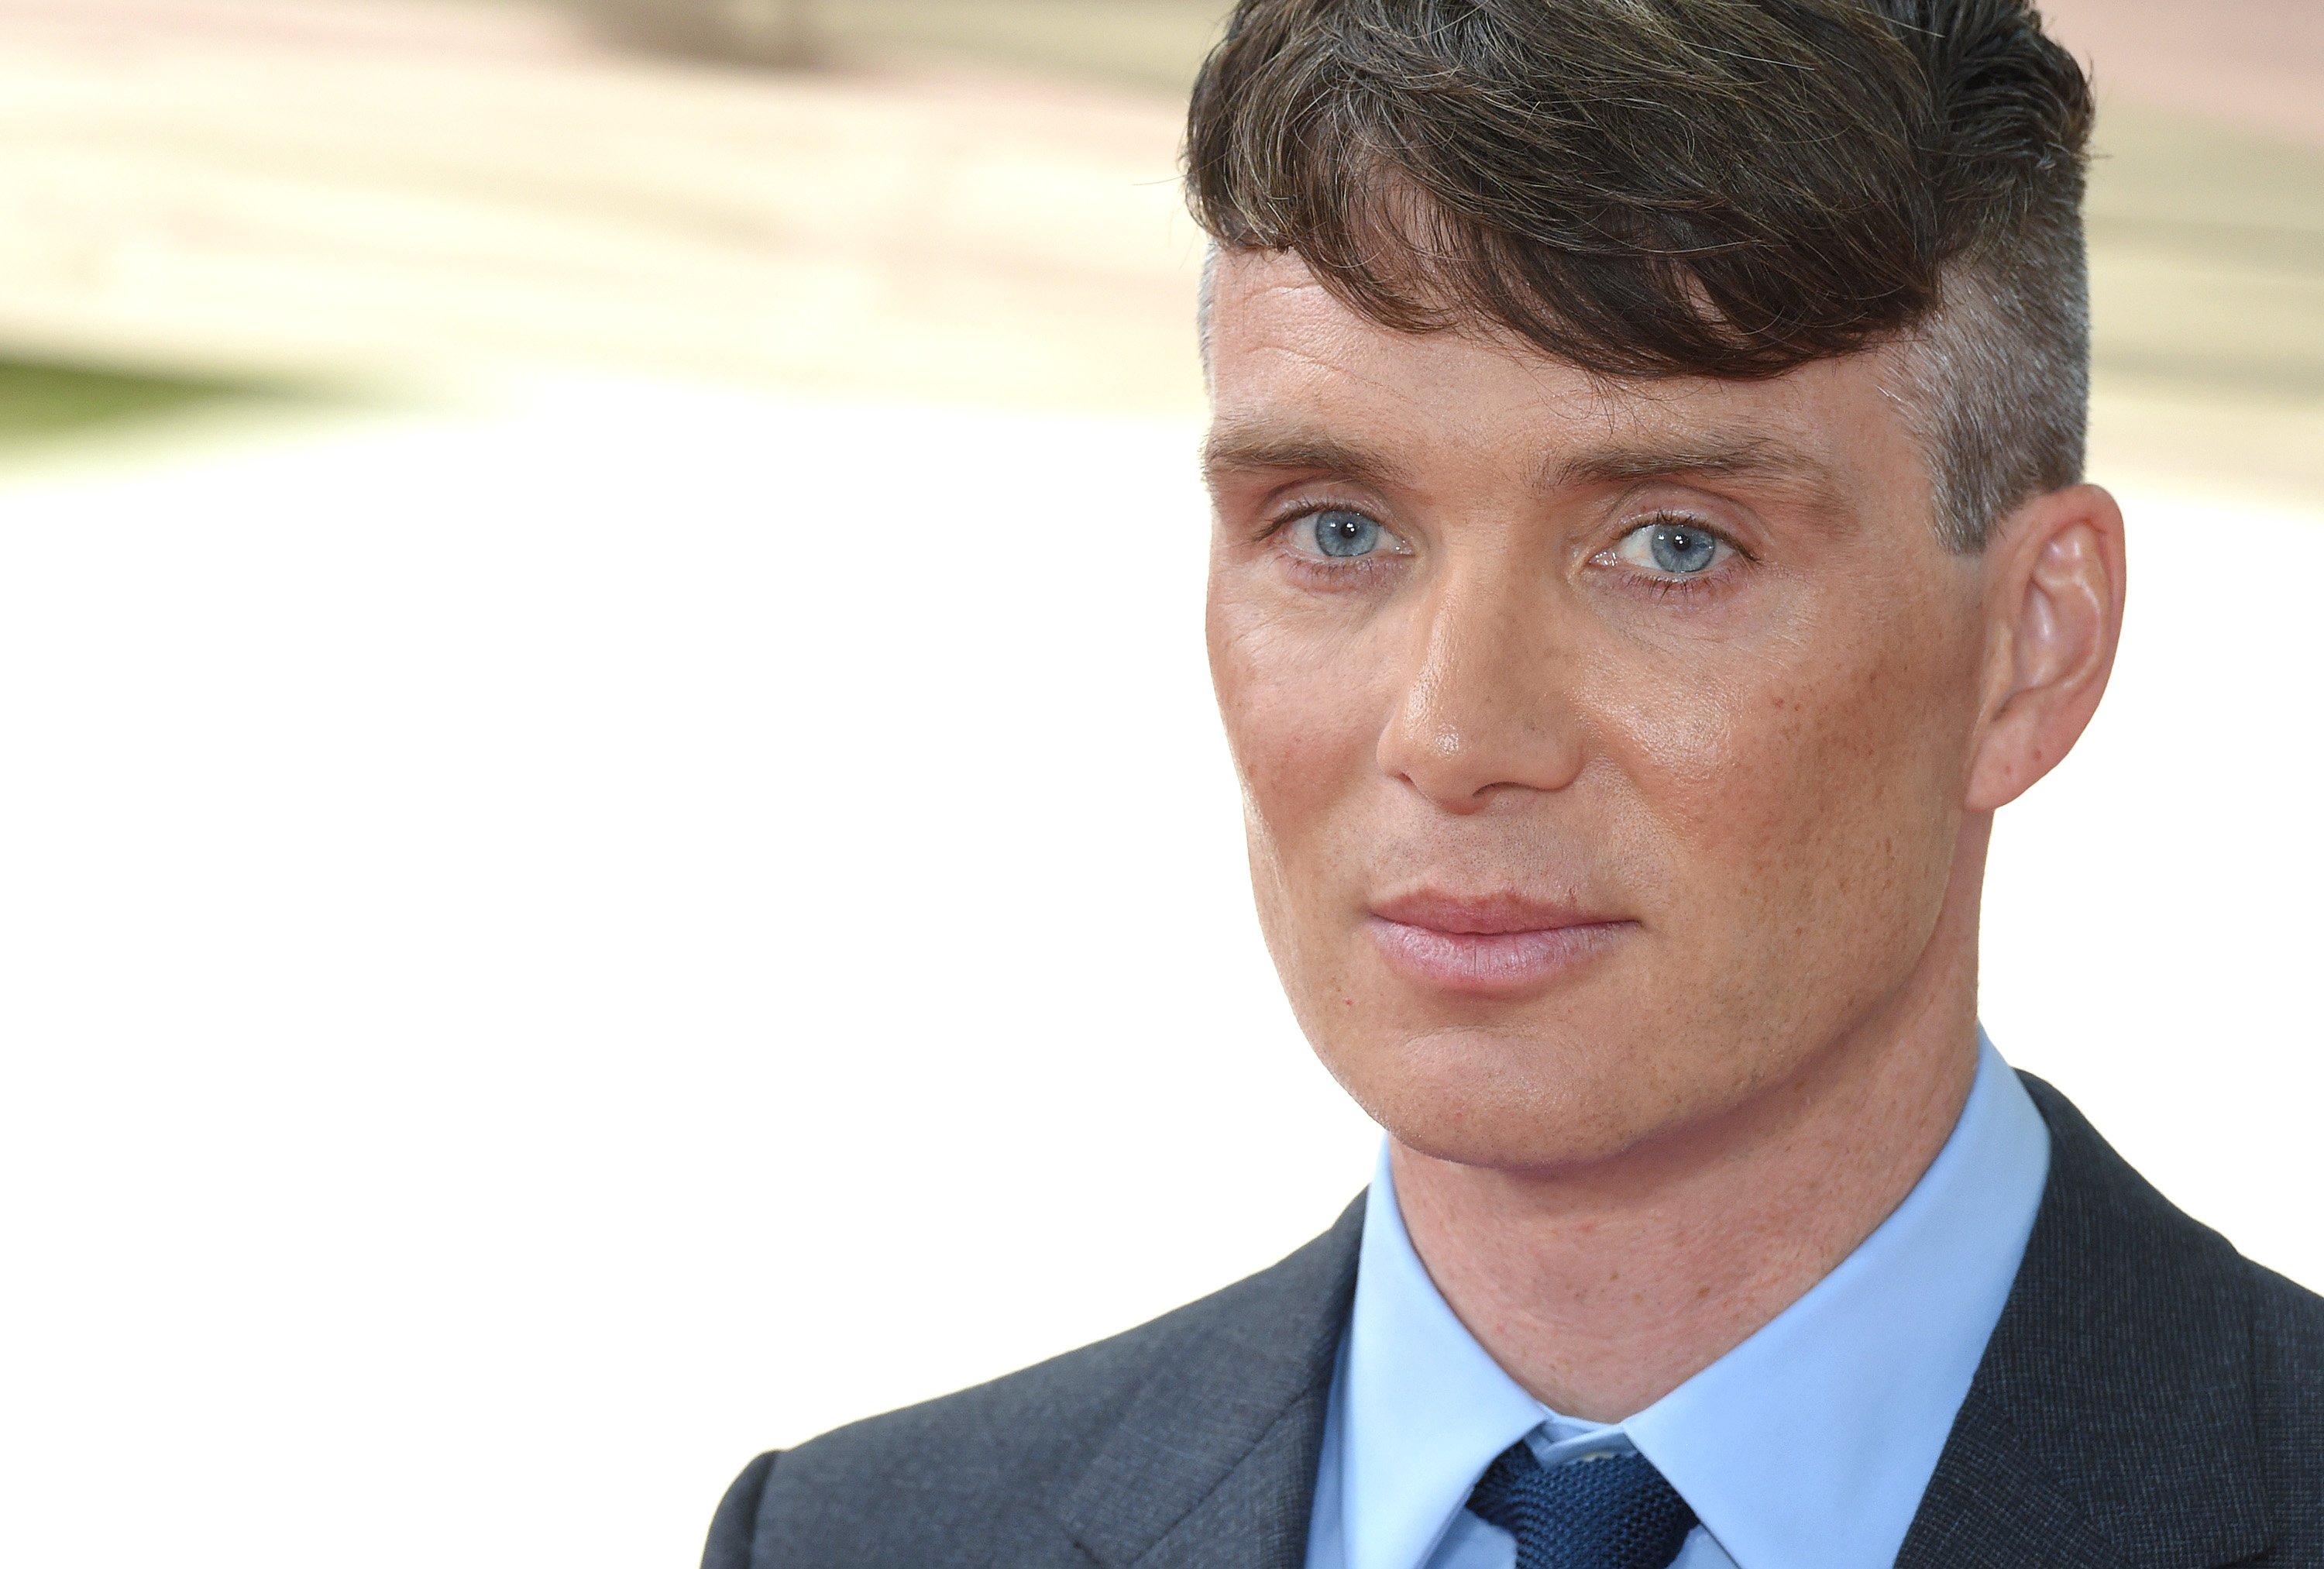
1649	547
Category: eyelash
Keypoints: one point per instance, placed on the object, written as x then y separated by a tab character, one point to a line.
1696	586
1300	511
1340	573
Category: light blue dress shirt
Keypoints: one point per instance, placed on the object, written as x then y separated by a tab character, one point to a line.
1807	1447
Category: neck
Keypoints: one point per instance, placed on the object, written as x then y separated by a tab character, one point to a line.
1601	1290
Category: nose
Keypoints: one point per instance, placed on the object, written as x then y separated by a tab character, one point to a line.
1486	710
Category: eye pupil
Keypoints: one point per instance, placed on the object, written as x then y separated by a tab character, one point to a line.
1345	533
1680	549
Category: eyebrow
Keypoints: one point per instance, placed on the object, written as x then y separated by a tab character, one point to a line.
1740	457
1232	448
1260	447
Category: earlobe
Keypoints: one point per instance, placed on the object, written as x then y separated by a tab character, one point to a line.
2054	590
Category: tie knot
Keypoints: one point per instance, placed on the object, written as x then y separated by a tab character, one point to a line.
1614	1513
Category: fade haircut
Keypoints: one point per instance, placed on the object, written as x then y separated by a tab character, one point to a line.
1666	188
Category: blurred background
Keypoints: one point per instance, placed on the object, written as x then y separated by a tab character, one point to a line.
611	829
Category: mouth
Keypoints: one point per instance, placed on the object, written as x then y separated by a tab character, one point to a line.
1495	944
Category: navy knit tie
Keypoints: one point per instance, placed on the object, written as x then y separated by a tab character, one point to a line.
1615	1513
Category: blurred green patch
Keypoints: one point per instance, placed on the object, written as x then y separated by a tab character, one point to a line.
42	402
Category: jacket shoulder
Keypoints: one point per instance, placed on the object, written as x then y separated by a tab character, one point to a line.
2183	1383
932	1484
2288	1380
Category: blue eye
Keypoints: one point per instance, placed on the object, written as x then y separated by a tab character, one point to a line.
1344	533
1675	549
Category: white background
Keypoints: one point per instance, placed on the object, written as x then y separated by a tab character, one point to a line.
544	951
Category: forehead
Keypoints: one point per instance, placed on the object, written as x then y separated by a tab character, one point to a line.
1290	364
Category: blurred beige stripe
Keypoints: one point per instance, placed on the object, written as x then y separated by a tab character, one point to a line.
427	190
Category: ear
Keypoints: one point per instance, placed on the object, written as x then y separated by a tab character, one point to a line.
2054	572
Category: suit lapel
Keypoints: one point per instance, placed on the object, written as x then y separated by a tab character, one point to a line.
2109	1425
2110	1421
1213	1461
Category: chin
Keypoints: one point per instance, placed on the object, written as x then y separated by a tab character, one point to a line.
1506	1096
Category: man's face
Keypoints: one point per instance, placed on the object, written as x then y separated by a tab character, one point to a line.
1603	746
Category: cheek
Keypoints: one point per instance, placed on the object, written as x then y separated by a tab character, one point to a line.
1302	720
1301	715
1808	802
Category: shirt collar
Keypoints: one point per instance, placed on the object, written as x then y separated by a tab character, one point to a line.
1812	1441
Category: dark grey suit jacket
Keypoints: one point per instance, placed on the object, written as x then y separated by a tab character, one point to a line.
2148	1401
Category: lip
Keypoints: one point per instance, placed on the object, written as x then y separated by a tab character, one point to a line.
1492	944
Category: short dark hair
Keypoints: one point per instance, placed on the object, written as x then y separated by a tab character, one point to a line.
1657	187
